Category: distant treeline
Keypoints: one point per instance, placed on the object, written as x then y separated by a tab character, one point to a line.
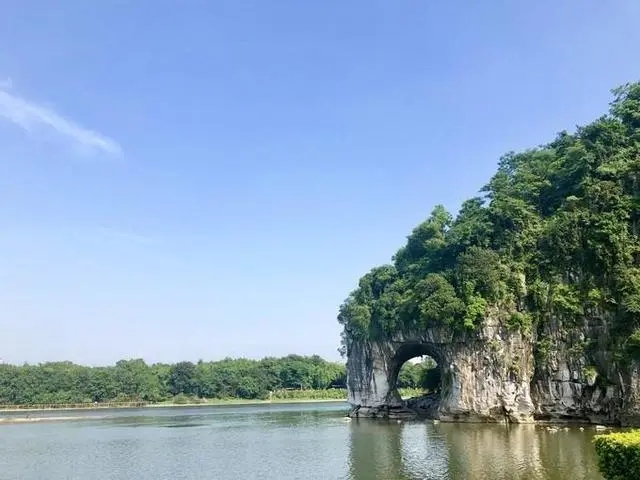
135	380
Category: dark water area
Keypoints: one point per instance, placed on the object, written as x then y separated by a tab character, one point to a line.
296	441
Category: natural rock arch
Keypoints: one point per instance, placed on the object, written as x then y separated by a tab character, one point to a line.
485	377
490	376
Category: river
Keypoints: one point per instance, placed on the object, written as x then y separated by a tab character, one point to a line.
277	441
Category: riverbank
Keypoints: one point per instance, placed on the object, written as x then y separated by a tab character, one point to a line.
278	397
13	420
168	404
16	416
241	401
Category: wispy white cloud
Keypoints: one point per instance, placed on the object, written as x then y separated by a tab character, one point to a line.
31	116
126	236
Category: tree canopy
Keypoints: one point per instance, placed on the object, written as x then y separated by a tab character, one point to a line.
555	231
290	377
127	380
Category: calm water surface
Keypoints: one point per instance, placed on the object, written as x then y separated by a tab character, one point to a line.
304	441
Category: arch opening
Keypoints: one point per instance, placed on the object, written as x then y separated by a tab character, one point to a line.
417	378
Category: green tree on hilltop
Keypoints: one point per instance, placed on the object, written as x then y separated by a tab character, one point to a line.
555	230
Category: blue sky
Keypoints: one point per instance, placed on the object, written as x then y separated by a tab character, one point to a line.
185	180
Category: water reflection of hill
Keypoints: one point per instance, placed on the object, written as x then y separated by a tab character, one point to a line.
395	451
518	452
420	450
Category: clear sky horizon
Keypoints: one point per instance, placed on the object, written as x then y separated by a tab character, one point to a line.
186	180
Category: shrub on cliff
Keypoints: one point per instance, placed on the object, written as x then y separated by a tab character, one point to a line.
619	455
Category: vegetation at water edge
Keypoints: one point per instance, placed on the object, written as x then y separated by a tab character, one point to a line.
293	377
619	455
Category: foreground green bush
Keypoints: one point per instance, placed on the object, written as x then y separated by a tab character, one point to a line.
619	455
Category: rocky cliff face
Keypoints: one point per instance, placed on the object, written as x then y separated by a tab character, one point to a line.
485	377
497	375
577	377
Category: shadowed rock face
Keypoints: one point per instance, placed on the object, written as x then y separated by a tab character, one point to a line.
578	377
489	376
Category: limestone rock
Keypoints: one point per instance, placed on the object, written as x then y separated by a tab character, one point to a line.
495	375
484	378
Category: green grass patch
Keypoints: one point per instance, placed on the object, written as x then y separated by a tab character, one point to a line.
326	394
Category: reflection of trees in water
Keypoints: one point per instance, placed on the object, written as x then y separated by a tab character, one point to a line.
518	452
424	452
421	450
572	451
289	419
375	450
395	451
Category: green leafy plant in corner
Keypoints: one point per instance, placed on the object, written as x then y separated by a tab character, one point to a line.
619	455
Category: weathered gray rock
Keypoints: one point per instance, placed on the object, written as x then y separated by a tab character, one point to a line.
498	375
425	406
577	377
485	377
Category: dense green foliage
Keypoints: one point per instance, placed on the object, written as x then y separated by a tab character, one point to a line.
289	378
423	376
554	232
619	455
65	382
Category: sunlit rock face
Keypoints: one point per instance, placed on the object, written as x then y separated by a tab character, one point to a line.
494	375
485	377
